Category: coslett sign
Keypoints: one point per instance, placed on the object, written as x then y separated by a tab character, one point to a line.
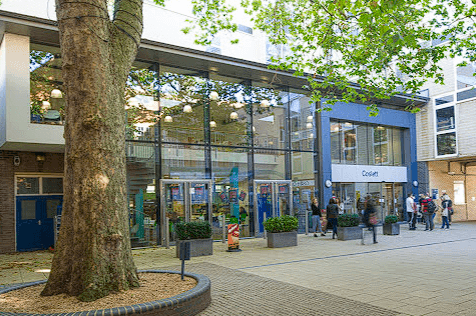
360	173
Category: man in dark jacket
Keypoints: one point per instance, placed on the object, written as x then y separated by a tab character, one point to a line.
427	215
332	213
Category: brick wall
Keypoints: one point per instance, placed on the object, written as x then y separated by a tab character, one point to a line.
54	163
441	180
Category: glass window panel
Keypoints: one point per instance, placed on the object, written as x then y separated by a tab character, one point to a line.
444	100
183	95
350	143
397	147
231	192
445	119
302	120
269	116
446	144
46	85
183	162
52	185
142	106
465	76
52	208
229	118
380	145
336	130
467	94
28	209
28	185
365	141
269	164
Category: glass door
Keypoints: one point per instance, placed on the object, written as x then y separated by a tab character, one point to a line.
184	201
272	198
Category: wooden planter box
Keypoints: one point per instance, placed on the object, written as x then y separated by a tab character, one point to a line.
391	229
198	247
349	233
279	240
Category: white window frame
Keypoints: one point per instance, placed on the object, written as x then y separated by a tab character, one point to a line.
435	123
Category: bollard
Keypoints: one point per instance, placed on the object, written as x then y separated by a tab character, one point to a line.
184	254
224	230
167	233
307	222
264	220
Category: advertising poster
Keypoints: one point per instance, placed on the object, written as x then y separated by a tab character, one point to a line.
242	196
233	237
233	196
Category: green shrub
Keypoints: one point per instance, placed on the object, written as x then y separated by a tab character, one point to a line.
281	224
193	230
390	219
348	220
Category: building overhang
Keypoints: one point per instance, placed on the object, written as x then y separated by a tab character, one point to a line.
45	31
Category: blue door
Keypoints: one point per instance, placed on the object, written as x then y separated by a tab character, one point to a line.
264	197
35	221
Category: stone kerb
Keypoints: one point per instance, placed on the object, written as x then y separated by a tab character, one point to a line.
187	303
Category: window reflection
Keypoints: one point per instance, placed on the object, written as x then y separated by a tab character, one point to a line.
46	85
365	144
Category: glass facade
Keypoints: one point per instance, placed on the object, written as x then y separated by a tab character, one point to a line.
445	121
365	144
353	196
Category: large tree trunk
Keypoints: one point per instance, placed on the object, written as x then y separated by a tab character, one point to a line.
93	255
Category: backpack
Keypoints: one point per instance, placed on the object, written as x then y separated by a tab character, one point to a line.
431	207
450	203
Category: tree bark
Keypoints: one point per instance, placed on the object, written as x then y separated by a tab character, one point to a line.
93	255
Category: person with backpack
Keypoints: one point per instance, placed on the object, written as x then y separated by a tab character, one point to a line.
428	209
332	210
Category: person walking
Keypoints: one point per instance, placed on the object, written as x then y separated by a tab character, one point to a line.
428	210
411	211
332	213
370	217
316	218
445	211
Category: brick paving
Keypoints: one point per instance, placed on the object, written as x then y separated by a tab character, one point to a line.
239	293
414	273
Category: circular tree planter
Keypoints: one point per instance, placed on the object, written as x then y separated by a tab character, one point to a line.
187	303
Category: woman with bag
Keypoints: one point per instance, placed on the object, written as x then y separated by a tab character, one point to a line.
316	218
332	213
370	217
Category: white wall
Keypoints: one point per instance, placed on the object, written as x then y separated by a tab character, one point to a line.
3	83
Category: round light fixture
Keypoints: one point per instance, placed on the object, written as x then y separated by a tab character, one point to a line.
264	103
309	125
233	115
311	135
415	183
213	124
45	105
168	119
328	183
187	109
56	94
309	118
214	96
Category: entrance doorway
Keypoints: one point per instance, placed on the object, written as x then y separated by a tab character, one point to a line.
184	201
272	198
35	221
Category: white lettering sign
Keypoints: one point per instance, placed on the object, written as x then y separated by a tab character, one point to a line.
362	173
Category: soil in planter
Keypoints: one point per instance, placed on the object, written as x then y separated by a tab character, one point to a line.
154	286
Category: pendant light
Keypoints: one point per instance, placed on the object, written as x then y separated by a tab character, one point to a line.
187	109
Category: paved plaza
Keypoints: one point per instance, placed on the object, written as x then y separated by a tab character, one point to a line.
415	273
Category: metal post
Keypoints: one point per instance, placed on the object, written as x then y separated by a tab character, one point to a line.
167	236
264	220
307	221
225	230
